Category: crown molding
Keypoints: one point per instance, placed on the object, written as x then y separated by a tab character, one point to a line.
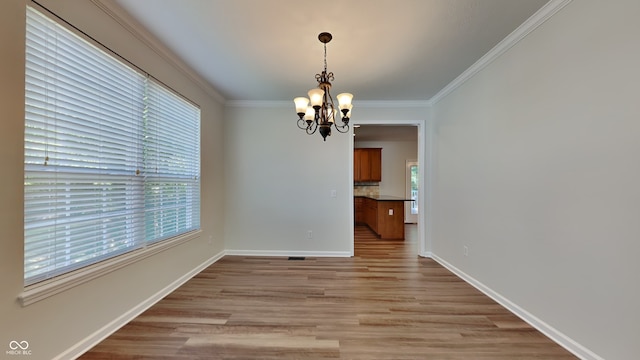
392	104
359	104
125	20
259	103
537	19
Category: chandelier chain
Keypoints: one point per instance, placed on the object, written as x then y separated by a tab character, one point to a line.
325	57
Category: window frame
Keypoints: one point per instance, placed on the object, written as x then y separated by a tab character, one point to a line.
43	288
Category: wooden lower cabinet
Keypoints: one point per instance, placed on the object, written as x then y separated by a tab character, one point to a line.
371	214
358	209
385	218
390	224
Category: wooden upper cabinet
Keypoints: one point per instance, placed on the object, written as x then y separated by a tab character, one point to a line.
367	164
375	164
356	164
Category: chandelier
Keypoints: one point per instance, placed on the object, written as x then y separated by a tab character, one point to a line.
318	111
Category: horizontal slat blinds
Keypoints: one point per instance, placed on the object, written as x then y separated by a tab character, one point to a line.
172	164
112	158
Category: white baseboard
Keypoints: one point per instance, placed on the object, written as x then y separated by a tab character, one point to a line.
555	335
285	253
92	340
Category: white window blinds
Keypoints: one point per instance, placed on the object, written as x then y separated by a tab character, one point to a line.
112	158
171	166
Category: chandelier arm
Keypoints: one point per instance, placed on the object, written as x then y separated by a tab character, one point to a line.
312	128
302	124
345	127
332	113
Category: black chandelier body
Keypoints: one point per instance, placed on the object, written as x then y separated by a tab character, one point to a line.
318	112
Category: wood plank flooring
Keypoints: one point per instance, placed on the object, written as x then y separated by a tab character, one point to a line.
384	303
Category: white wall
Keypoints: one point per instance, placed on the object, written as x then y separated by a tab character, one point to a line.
65	320
537	172
279	182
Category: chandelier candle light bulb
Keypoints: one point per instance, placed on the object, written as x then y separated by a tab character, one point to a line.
301	105
309	115
316	96
318	111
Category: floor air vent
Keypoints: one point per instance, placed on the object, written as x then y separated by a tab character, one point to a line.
296	257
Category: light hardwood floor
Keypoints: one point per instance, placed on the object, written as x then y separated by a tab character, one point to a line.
384	303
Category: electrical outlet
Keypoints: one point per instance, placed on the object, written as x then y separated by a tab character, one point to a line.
334	193
390	212
309	234
466	250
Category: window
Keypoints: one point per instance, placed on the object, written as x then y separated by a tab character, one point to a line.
112	157
414	188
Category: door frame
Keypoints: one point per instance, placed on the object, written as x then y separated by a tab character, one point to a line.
424	162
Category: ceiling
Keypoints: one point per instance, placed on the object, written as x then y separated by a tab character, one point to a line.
382	50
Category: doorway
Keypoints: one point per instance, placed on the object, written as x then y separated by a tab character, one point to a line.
387	135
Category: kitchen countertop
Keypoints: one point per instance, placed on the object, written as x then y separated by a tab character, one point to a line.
384	197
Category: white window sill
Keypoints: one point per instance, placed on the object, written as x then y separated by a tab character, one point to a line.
42	290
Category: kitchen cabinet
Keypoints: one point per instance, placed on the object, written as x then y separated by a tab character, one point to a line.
367	165
382	214
358	208
371	214
390	219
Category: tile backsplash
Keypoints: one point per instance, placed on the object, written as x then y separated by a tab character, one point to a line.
366	190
